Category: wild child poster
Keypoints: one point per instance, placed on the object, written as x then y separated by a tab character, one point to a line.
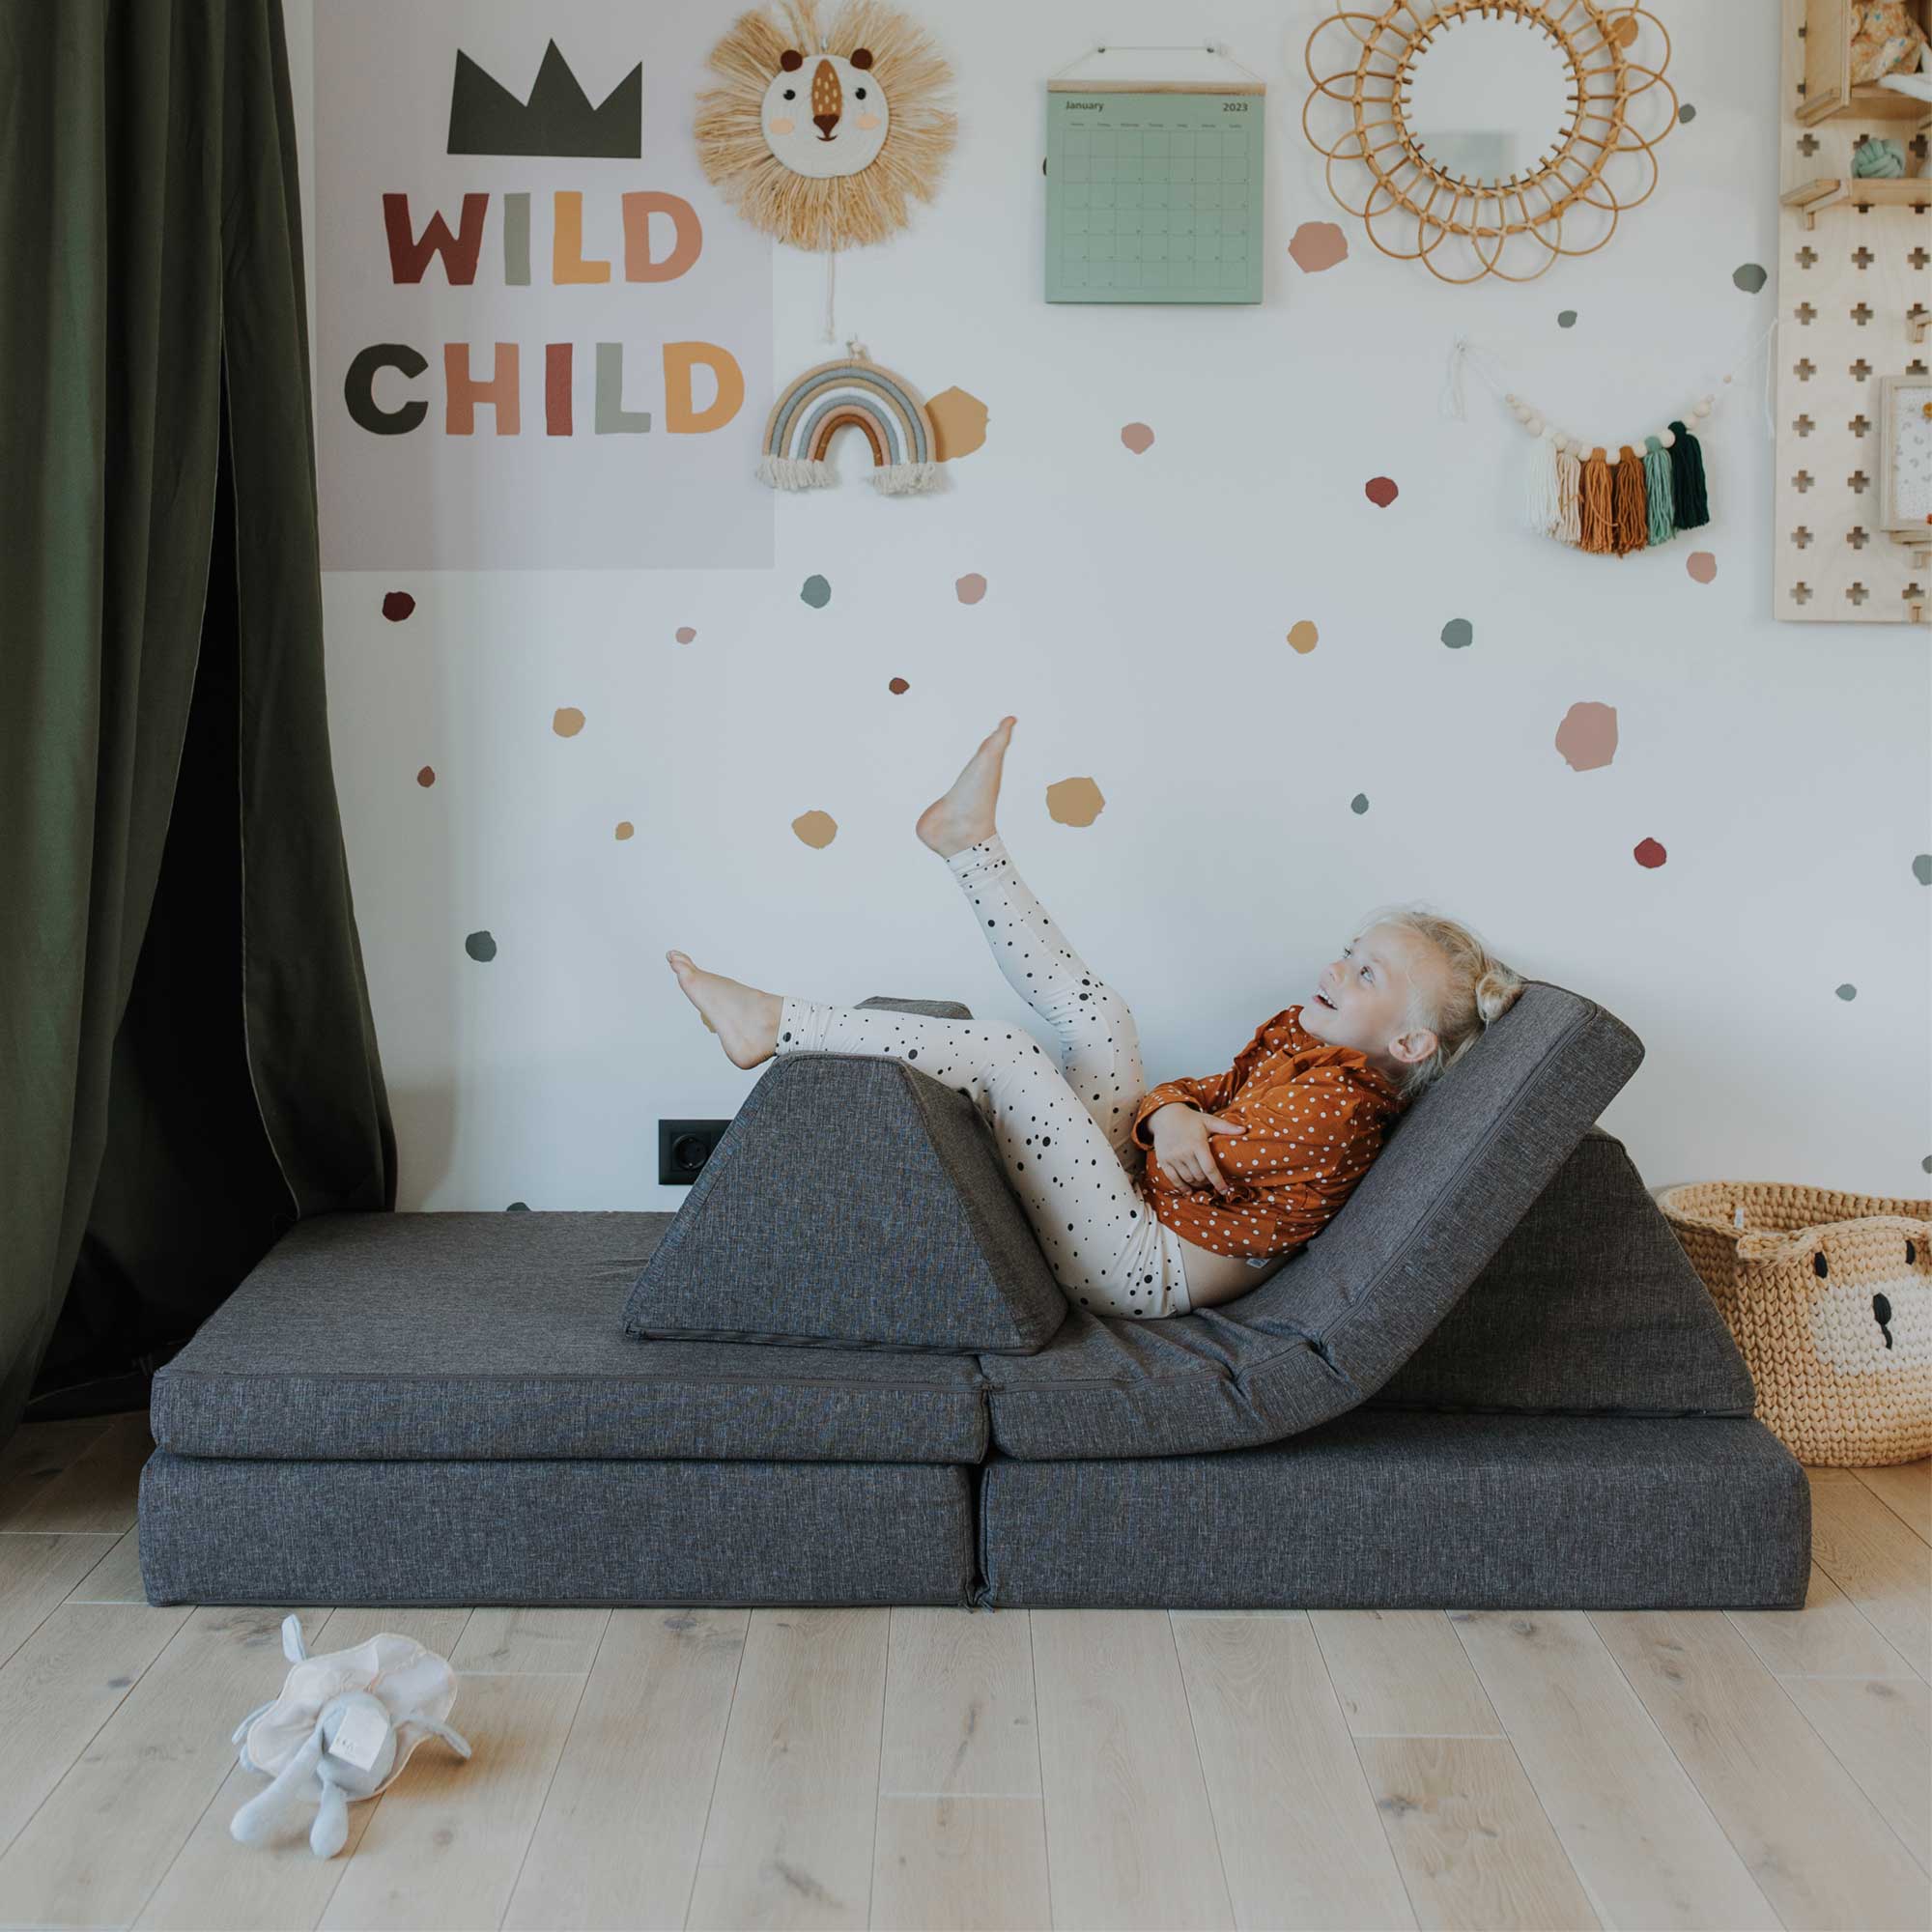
541	343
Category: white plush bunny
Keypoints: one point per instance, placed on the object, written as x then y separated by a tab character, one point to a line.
343	1728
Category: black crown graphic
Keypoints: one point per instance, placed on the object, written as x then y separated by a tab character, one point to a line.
485	118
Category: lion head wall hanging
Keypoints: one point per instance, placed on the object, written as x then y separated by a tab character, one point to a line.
819	135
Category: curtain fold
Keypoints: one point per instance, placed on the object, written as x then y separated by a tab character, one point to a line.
188	1059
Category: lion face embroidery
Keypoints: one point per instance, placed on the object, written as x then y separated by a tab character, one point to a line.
825	115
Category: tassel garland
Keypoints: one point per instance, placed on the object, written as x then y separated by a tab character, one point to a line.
1599	527
1657	489
1691	510
1632	514
1649	492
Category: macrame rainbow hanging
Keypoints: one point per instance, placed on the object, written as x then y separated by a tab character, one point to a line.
1613	501
885	407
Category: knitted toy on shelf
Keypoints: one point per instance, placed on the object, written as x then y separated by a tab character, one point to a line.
343	1728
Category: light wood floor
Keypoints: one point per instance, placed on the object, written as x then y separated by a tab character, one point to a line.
937	1768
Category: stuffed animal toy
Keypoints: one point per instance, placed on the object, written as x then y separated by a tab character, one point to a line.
343	1728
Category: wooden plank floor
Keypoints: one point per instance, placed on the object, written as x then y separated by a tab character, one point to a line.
854	1768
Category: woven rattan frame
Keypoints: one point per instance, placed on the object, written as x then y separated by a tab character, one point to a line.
1518	218
1826	1388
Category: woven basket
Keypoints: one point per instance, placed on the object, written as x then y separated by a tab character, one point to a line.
1830	1297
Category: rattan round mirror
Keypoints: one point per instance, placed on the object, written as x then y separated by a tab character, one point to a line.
1488	137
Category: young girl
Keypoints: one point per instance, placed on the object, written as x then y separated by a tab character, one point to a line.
1153	1202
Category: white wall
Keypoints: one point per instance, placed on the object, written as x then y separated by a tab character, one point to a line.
1135	622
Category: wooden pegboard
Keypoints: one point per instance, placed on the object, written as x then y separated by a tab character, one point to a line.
1846	284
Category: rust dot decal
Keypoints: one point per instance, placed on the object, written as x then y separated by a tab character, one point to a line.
958	424
898	687
1587	736
1316	245
1380	491
625	829
397	605
1701	565
1304	637
1075	801
1138	438
1649	855
426	776
686	634
816	829
568	720
970	588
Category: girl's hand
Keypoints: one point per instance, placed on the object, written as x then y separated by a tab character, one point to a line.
1183	1145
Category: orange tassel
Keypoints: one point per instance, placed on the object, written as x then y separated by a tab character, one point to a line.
1632	507
1598	519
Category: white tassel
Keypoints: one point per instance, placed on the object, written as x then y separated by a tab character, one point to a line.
905	479
795	472
1541	508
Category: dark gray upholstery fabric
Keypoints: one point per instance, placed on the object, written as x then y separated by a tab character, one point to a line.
854	1202
1590	1306
1389	1511
1460	1170
465	1336
398	1533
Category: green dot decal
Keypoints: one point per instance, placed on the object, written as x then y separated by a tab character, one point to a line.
480	946
1459	634
1686	114
816	592
1922	868
1566	318
1748	276
1926	1163
1360	804
1848	991
517	1208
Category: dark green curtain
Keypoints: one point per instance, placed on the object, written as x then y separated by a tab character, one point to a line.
187	1061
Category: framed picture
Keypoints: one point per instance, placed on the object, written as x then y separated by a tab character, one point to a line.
1905	459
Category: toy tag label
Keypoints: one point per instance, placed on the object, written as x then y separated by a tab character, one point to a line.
358	1738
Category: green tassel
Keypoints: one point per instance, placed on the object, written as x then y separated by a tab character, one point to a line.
1657	487
1689	505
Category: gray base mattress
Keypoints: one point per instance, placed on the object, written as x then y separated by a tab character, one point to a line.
216	1531
1380	1511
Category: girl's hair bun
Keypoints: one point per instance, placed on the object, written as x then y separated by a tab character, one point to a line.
1497	991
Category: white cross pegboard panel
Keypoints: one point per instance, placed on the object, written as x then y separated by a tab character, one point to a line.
1850	274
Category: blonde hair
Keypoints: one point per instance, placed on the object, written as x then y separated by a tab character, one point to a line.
1470	992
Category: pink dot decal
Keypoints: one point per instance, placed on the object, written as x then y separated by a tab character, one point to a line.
1138	438
1316	245
1380	491
686	634
1649	855
1701	565
397	605
1587	736
970	589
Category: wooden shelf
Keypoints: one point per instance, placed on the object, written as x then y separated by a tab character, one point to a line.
1813	197
1828	92
1867	101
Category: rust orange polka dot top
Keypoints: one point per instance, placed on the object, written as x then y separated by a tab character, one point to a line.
1314	1115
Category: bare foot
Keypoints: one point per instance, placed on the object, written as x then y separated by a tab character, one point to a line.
965	814
745	1020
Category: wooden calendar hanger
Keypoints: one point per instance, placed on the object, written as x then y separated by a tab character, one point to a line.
1055	84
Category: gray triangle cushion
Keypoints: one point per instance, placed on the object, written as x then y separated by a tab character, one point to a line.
854	1202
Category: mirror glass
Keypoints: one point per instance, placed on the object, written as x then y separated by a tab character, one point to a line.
1489	99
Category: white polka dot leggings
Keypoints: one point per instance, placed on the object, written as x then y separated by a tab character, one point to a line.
1063	1131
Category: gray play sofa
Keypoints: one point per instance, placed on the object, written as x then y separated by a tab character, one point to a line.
841	1374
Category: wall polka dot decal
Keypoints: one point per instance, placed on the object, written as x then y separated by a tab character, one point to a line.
480	946
1380	491
1922	868
1702	566
517	1208
426	776
958	424
1748	276
1687	114
568	720
1459	634
1587	736
1624	31
1075	801
970	589
898	687
1848	991
816	592
1316	245
685	635
1566	318
1138	438
1303	636
397	605
1926	1163
816	829
1650	855
1360	804
625	830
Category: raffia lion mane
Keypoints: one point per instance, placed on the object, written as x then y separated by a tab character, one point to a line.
858	207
